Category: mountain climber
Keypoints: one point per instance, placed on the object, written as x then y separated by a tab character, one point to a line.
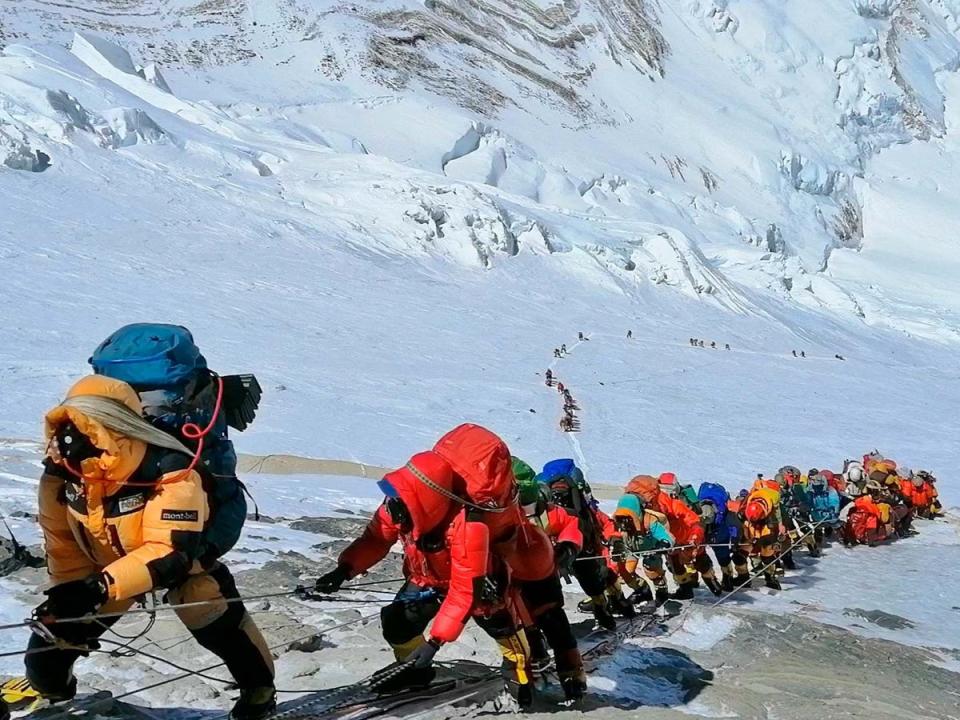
163	364
795	514
568	489
580	336
544	598
884	472
676	489
640	533
629	334
721	530
549	376
835	481
450	573
762	529
855	478
122	507
866	521
934	507
563	349
824	507
690	557
560	387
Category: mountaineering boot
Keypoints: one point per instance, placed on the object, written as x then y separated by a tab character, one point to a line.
254	703
662	595
525	695
727	583
625	608
603	616
714	585
788	563
815	551
771	581
743	581
641	595
585	605
57	691
574	688
619	605
684	591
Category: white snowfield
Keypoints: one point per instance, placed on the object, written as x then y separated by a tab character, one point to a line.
393	213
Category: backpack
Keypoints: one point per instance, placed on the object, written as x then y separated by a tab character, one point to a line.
170	374
689	496
584	506
718	496
562	468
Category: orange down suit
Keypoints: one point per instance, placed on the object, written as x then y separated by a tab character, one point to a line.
134	514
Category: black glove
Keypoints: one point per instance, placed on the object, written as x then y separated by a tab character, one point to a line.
332	581
74	599
565	555
618	549
423	656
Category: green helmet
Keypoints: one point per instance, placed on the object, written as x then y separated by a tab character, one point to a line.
521	471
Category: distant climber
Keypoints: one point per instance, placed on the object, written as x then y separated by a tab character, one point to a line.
563	349
803	354
629	334
560	387
580	336
713	345
700	343
556	352
727	346
794	353
549	376
839	357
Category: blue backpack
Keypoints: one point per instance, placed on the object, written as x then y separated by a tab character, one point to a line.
166	368
561	468
149	356
716	495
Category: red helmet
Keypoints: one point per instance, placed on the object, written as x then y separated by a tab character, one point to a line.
756	510
668	478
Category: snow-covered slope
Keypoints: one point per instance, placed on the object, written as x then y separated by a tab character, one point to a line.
392	212
719	148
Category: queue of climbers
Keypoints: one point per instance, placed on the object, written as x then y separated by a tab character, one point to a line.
139	493
486	537
569	421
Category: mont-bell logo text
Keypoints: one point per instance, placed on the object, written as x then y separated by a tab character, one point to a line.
180	515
